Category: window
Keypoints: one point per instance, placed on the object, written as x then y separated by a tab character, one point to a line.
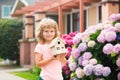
76	21
85	19
68	23
55	17
100	14
6	9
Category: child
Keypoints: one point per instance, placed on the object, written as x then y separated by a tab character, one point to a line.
51	65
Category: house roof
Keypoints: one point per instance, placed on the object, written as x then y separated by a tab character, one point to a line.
19	4
54	41
52	6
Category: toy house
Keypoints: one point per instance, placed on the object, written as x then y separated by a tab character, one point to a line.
58	46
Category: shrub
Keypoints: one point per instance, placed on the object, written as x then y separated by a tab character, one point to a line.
68	39
97	52
35	70
10	32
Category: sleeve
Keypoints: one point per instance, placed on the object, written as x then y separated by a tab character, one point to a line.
38	49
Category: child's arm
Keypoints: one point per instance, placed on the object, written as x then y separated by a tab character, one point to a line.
39	61
63	59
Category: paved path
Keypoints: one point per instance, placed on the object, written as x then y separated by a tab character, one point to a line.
5	75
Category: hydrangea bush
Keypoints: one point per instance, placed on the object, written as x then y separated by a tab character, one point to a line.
96	55
68	38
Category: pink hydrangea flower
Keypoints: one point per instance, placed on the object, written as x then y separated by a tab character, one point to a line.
76	53
79	72
107	49
98	69
101	39
77	38
72	66
118	62
110	36
85	62
69	48
115	17
93	61
88	69
69	42
116	48
82	46
75	79
87	55
68	37
68	54
111	28
72	34
80	60
117	26
106	71
64	36
65	67
118	76
67	72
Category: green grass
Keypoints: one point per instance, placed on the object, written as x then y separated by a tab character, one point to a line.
27	75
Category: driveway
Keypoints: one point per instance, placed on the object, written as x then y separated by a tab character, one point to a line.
5	74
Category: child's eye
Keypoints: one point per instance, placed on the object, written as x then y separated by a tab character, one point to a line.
46	31
51	31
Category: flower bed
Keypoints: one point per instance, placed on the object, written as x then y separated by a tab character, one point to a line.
96	53
68	38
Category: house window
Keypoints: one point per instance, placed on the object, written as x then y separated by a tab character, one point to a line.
68	23
85	19
100	14
55	17
6	9
76	21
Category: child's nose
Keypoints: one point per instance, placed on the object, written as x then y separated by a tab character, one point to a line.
49	32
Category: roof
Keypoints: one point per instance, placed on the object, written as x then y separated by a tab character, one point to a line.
18	4
54	41
52	6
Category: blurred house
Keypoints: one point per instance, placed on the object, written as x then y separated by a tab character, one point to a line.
6	7
71	15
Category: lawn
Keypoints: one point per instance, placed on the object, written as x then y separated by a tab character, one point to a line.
27	75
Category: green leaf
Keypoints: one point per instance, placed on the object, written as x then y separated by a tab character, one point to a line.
95	35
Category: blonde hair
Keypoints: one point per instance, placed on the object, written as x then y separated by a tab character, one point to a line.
45	23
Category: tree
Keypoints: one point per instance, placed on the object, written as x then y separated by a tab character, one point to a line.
10	33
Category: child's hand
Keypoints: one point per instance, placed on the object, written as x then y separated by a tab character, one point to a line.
55	57
63	55
62	58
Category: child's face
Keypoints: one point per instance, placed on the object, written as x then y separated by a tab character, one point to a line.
48	34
